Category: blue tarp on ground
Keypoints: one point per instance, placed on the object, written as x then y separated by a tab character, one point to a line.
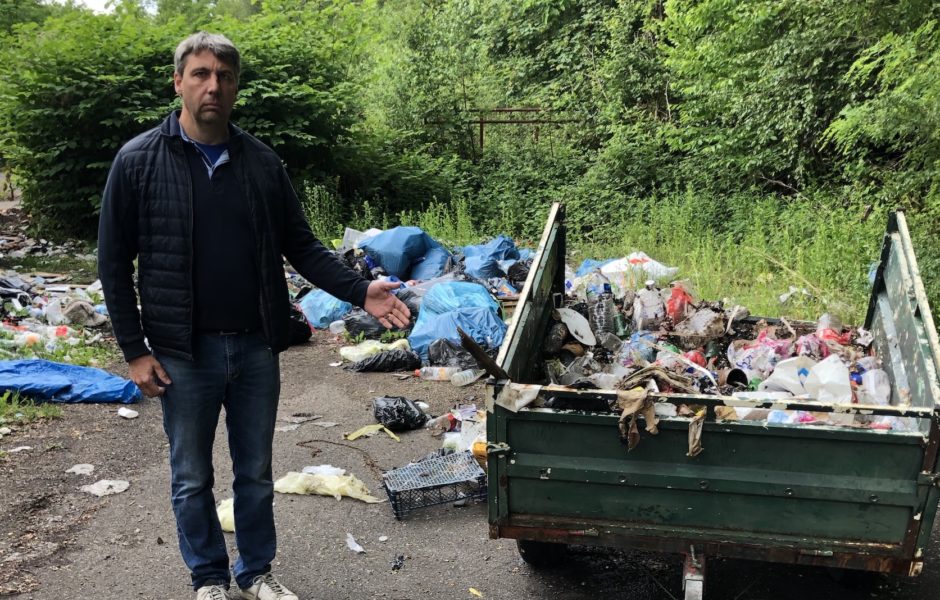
321	308
402	250
46	380
481	324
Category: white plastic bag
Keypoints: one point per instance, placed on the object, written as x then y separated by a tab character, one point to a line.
789	376
829	381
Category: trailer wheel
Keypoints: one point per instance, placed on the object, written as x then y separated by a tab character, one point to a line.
541	555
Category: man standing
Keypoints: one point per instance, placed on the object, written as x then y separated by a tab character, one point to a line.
209	213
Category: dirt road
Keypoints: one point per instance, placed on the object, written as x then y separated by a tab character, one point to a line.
56	542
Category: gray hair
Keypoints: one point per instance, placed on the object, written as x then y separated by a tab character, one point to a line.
216	43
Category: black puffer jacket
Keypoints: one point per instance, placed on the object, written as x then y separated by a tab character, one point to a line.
146	213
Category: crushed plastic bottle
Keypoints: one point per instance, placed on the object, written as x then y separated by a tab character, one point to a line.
437	373
466	377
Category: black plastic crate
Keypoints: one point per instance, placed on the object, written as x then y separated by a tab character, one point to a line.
433	481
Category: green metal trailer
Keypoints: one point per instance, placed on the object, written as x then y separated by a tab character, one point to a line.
823	495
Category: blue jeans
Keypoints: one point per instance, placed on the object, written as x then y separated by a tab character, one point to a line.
241	373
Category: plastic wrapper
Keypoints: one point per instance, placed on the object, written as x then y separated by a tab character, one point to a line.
680	300
321	308
370	347
829	381
398	413
446	353
324	485
226	512
387	362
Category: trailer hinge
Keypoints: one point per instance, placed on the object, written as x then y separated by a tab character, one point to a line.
499	449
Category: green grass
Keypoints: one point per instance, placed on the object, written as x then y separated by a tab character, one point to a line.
82	271
760	252
17	410
747	250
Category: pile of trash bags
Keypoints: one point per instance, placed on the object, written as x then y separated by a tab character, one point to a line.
620	330
444	290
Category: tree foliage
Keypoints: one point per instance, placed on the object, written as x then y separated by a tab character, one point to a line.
377	105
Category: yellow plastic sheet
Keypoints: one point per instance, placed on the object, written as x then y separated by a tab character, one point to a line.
324	485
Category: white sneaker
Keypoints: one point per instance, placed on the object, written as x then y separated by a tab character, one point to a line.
266	587
213	592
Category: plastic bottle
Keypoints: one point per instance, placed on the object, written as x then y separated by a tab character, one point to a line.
466	377
437	373
603	312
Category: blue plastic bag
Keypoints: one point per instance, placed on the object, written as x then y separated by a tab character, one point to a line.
480	323
321	308
453	295
432	265
590	264
400	249
483	261
57	382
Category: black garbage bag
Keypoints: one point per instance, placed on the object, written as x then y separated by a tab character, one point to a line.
412	298
359	321
357	262
398	413
519	272
300	330
388	361
445	353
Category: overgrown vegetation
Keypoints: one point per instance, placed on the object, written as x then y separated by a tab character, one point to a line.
756	145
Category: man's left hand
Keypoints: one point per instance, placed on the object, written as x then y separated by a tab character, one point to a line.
384	306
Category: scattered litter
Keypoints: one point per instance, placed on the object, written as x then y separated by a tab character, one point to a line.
353	545
299	418
370	430
288	427
19	449
398	413
226	512
398	562
127	413
476	592
336	364
383	538
81	469
106	487
325	485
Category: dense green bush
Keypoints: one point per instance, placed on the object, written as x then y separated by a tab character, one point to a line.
755	125
71	92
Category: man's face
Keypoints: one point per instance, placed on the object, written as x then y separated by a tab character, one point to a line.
208	87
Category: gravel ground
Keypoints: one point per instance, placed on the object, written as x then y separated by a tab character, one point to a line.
56	542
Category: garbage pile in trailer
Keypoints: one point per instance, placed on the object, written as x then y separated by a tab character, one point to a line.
619	330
